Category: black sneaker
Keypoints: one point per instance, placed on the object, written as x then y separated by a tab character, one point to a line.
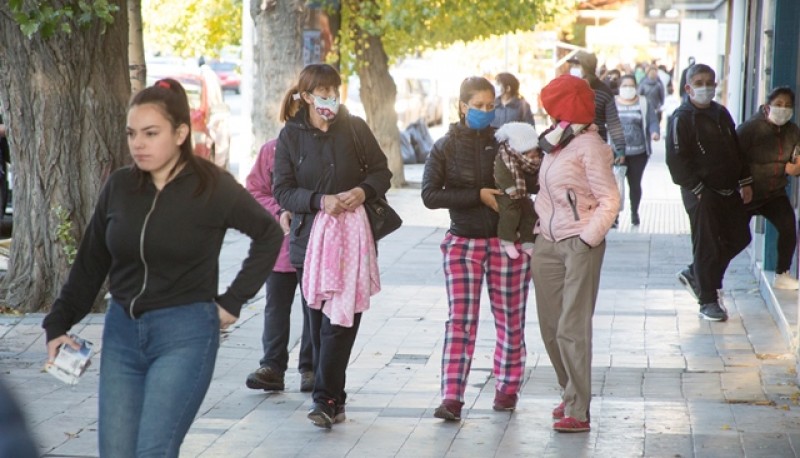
635	219
307	381
713	311
265	378
686	277
321	414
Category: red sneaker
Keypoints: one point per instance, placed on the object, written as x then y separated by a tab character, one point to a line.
504	402
571	425
558	412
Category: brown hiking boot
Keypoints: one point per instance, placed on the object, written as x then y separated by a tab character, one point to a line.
265	378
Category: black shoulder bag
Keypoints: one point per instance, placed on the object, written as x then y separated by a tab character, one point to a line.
382	218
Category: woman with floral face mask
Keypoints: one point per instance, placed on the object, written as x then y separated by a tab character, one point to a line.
640	124
318	178
459	176
771	142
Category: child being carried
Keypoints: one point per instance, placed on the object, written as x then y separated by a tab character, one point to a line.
518	158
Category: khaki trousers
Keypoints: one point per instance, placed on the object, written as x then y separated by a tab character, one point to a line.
566	276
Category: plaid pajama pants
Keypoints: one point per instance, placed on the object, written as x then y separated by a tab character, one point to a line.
466	262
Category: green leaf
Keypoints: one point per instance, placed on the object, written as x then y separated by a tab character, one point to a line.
29	28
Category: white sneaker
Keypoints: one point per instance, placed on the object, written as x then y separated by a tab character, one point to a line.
785	281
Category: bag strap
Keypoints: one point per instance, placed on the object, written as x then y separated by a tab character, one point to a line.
362	156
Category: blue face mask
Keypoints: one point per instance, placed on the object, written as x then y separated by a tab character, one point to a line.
479	119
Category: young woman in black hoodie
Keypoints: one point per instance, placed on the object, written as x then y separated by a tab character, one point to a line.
156	233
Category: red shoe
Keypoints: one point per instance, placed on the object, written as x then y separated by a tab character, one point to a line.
558	412
504	402
571	425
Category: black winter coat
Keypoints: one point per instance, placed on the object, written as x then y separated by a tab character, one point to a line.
703	149
460	164
310	163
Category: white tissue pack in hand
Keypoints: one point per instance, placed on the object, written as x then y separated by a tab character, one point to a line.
70	363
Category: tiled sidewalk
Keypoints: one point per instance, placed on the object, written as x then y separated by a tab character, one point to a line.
665	383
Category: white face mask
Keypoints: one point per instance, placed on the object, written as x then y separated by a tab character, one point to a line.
498	90
703	95
576	71
780	115
627	92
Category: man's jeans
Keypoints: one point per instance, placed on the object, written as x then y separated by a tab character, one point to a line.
154	373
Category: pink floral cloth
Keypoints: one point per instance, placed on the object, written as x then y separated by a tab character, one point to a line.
340	271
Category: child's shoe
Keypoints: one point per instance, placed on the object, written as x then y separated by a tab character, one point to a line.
510	249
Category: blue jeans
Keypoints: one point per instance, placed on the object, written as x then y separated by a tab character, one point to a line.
154	373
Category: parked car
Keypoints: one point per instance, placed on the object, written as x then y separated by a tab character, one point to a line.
211	133
228	73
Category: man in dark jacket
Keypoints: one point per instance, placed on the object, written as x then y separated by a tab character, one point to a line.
770	142
584	65
705	160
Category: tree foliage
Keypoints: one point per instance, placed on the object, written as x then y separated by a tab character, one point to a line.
49	17
411	26
190	28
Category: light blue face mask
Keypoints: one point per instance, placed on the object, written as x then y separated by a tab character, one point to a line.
479	119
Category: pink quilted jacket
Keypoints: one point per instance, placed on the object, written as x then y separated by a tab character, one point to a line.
578	194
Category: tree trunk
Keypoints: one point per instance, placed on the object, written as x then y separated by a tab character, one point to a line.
136	63
378	94
65	97
278	60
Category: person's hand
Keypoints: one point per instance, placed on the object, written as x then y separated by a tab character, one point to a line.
656	136
619	160
2	130
55	344
792	169
747	194
488	197
352	198
332	205
225	318
285	220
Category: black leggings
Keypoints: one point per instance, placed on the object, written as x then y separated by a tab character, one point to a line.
635	171
778	211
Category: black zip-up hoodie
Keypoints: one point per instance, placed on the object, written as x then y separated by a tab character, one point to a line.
768	147
703	150
460	164
310	163
161	248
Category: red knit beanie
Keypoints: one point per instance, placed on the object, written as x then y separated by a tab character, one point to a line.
569	98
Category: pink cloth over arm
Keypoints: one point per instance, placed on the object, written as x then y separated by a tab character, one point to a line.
340	272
